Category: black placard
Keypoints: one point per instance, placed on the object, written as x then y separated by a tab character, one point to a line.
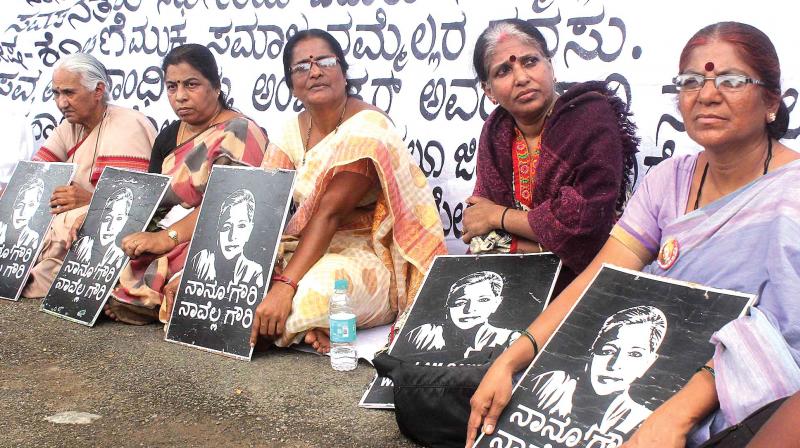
230	259
468	304
123	203
24	220
627	345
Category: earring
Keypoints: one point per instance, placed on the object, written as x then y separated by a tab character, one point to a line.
494	101
771	117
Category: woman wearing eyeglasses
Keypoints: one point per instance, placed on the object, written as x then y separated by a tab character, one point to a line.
208	132
364	213
727	217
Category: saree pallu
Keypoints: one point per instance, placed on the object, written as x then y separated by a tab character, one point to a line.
122	139
238	141
389	241
745	241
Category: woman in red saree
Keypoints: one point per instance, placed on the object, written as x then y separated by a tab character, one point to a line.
208	133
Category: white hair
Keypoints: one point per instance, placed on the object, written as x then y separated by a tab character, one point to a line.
500	30
91	71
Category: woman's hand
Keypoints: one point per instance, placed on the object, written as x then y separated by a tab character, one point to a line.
170	291
68	197
272	312
156	243
666	427
73	231
480	217
489	400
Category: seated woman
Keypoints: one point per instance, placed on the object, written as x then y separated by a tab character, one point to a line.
553	173
93	135
207	133
364	209
727	217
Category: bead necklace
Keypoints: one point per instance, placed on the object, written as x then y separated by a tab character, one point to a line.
311	124
83	135
705	172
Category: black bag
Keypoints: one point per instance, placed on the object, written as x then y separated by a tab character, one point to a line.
432	402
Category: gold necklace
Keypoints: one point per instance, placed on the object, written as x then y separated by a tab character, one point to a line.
311	124
184	126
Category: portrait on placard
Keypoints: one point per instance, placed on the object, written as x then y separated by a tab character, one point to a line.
123	203
630	342
103	247
469	305
24	219
227	260
231	256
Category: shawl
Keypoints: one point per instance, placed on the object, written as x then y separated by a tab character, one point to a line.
587	154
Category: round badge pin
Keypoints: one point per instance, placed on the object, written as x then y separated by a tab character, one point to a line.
668	254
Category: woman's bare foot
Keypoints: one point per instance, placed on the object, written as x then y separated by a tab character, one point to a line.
319	339
109	313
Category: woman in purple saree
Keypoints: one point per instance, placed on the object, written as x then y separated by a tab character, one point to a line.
728	217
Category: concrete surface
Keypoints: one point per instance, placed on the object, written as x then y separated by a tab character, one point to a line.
152	393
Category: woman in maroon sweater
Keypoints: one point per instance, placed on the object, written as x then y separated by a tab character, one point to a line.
553	172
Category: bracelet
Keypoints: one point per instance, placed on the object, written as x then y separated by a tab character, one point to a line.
530	337
503	219
284	279
708	369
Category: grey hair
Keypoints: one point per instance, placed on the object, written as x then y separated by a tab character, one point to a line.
496	32
92	71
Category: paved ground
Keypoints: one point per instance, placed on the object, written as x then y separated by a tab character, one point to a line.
153	393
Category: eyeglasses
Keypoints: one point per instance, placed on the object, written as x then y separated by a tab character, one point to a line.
304	67
691	82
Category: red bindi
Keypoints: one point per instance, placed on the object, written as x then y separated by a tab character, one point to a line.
512	59
709	66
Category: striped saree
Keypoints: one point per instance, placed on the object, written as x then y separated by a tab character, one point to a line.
238	141
386	245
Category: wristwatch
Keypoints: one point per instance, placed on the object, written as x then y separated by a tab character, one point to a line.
173	235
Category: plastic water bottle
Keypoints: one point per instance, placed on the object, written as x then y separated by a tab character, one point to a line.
343	328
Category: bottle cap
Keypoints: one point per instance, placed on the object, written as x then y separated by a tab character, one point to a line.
340	284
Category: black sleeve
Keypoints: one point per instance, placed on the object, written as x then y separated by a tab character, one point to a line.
163	146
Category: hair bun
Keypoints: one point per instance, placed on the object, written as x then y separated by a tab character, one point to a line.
777	129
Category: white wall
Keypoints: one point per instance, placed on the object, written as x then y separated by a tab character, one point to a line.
413	59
